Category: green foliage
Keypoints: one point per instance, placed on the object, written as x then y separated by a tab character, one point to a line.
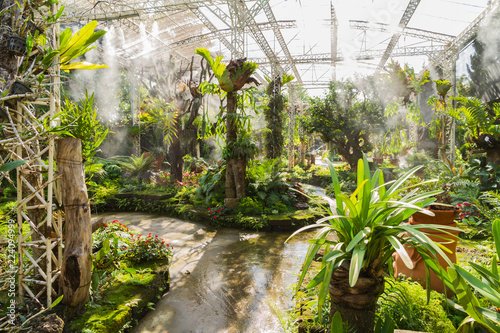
267	188
274	116
248	206
231	77
368	227
73	46
101	194
344	116
109	243
211	189
135	165
463	283
243	148
8	211
477	117
448	178
82	123
486	175
11	165
162	116
407	304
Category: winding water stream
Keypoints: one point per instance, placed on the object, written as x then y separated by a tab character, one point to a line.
222	280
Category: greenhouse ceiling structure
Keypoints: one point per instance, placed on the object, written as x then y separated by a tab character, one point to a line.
315	41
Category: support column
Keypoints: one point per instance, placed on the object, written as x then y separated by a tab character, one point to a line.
291	127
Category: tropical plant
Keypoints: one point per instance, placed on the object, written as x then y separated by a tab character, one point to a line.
161	116
480	120
82	123
231	79
395	141
359	237
210	189
71	46
135	165
448	179
441	122
463	283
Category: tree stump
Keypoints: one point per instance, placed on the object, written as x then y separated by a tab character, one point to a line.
77	259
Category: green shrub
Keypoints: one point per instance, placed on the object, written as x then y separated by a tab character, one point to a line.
7	210
113	171
248	206
406	303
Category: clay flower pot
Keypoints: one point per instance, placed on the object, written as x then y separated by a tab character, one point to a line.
442	217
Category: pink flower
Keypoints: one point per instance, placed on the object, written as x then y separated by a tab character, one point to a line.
146	242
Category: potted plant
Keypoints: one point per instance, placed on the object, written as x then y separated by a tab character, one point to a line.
444	214
359	237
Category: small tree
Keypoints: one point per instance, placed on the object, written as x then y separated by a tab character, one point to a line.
231	79
345	117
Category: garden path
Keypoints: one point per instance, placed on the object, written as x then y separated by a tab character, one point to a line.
223	280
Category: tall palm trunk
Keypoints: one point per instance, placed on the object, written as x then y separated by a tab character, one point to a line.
356	304
175	154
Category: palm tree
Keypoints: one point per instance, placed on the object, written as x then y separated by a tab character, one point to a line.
368	230
231	79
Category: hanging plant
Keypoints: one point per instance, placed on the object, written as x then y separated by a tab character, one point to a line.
17	45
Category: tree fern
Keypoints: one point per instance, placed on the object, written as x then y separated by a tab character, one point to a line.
476	116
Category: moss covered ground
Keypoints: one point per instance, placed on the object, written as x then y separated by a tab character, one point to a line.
130	294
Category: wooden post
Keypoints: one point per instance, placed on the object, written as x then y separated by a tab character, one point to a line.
77	260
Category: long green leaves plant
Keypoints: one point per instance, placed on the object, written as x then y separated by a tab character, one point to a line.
359	238
463	282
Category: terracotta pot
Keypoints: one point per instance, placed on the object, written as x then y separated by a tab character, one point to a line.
442	217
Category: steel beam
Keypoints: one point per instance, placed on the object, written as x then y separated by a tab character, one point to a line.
227	32
216	32
410	9
122	11
363	55
411	32
446	59
277	33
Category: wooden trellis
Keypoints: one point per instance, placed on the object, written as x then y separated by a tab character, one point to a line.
28	136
